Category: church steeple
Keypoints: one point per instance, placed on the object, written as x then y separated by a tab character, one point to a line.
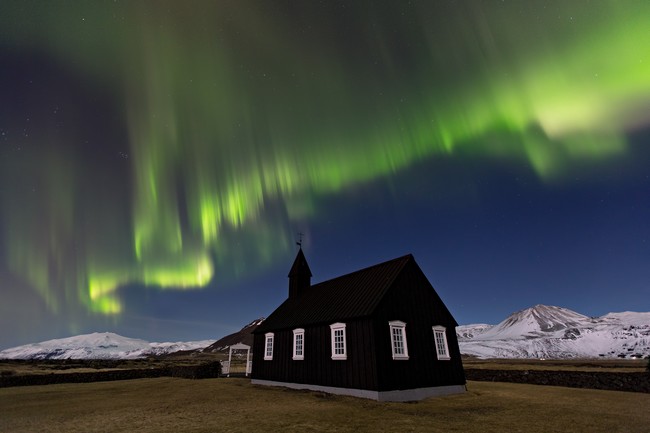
299	275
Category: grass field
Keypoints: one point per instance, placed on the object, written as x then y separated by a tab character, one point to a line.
233	405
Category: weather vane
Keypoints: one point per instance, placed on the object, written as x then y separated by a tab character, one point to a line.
299	243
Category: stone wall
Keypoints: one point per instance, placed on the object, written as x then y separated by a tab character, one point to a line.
635	382
207	370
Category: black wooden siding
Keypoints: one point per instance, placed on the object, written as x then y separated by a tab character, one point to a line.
413	300
395	290
358	371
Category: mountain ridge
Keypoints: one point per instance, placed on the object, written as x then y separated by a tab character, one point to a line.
97	345
540	331
244	335
108	345
546	331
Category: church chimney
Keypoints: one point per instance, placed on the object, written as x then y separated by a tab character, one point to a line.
299	276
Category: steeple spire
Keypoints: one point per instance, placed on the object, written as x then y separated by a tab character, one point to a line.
299	275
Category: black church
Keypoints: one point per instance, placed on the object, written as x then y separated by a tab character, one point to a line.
381	333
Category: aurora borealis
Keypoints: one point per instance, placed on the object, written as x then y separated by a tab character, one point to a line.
157	152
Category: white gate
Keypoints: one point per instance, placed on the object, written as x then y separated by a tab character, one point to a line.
226	365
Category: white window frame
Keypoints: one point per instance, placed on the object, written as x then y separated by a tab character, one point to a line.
398	327
441	331
268	346
298	333
334	328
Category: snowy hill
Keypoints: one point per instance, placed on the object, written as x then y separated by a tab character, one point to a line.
244	335
105	345
553	332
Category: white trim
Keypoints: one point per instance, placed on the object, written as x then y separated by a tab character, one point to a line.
437	332
398	329
268	346
414	394
298	350
337	331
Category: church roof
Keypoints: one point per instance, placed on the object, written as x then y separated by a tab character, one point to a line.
342	298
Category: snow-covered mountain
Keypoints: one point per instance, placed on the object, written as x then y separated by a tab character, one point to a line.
538	332
553	332
104	345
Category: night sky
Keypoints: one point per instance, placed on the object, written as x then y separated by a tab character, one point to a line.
159	158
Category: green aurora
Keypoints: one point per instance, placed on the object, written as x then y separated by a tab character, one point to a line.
238	116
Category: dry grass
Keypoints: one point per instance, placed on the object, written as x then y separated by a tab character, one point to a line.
177	405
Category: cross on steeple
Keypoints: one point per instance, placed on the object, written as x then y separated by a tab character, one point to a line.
299	242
